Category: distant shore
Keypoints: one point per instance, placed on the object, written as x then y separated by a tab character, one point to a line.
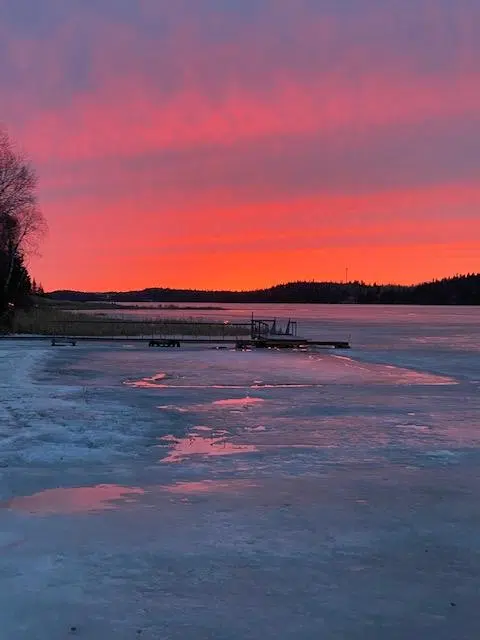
98	305
457	290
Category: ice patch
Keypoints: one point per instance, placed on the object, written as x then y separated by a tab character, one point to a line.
288	372
415	427
46	423
209	486
172	407
443	454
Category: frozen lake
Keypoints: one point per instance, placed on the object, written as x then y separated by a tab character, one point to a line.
201	493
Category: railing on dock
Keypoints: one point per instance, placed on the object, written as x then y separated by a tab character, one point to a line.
115	328
261	328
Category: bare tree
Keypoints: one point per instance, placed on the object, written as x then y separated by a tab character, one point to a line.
21	221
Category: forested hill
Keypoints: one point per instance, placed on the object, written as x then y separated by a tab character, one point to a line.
461	290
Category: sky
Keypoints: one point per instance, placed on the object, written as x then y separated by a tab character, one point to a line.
242	143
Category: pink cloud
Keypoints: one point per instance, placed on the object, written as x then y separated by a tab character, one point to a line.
341	128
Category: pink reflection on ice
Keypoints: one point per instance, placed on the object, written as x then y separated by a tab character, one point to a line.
386	373
209	486
157	382
199	445
285	385
74	499
237	402
148	383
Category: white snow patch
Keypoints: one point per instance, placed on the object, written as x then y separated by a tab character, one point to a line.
46	423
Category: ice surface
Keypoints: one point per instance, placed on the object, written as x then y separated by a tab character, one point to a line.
201	493
56	423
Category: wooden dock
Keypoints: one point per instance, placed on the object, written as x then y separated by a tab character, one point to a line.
263	333
291	344
242	343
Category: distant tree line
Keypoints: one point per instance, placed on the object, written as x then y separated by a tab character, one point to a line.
458	290
21	225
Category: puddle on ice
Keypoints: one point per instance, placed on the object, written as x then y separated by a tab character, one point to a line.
74	499
195	444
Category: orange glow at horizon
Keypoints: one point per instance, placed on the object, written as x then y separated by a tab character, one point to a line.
259	248
277	267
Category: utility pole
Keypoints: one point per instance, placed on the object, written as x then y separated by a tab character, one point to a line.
346	275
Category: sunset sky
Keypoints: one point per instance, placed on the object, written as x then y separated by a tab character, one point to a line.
241	143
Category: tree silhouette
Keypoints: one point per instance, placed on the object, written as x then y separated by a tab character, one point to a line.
21	223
